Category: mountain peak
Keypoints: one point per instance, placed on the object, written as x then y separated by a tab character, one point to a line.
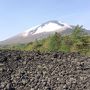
39	32
49	26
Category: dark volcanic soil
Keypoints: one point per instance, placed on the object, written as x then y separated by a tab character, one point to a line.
21	70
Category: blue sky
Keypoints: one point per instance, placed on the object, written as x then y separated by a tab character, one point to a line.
18	15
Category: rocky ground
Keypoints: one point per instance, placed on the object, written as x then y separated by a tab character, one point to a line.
21	70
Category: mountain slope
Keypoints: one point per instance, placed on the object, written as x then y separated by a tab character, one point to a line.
39	32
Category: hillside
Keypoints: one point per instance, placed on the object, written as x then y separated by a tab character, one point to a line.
77	41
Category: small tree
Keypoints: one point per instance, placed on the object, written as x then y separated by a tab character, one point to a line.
55	41
79	40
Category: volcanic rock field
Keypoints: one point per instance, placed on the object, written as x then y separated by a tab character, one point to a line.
31	70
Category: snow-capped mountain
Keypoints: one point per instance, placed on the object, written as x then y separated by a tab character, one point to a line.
39	32
50	26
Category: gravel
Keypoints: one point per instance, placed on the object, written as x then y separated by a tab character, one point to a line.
31	70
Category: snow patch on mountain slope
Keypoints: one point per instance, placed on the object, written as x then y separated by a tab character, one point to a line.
26	33
52	27
47	27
